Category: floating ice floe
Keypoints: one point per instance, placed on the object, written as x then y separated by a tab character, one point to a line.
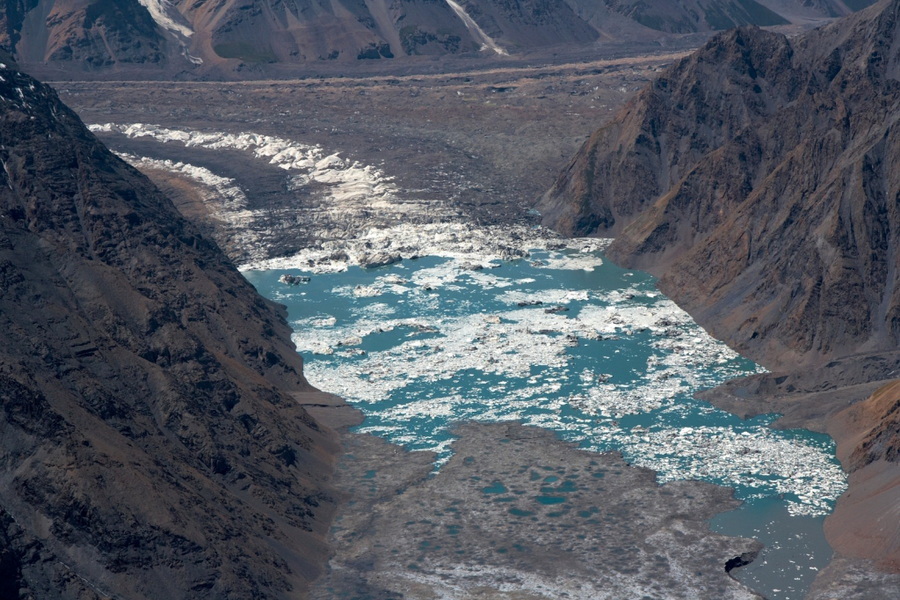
471	246
794	468
584	262
444	343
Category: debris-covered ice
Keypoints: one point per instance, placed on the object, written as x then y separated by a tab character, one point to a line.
345	213
223	197
345	181
475	248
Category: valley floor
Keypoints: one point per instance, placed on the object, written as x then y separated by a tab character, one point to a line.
476	146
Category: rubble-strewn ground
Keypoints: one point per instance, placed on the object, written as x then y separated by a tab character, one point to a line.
475	146
517	513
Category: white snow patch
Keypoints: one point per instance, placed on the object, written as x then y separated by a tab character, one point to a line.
161	11
487	43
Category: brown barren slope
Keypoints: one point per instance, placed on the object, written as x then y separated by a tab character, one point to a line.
864	523
149	446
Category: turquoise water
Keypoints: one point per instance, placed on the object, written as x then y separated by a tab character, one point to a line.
571	343
795	550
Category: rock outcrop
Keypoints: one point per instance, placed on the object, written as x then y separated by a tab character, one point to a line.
689	16
149	444
864	523
92	35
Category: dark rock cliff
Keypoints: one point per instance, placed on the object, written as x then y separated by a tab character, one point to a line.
756	176
148	444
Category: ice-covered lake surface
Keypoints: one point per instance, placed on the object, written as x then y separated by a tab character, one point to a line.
566	341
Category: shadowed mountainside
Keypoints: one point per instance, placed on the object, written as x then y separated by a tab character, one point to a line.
690	16
216	37
149	446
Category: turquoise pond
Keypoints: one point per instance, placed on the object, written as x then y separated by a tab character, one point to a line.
569	342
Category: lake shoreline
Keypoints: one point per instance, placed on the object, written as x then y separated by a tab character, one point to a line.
828	400
366	463
402	530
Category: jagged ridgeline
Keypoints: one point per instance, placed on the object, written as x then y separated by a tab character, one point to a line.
758	177
150	447
170	36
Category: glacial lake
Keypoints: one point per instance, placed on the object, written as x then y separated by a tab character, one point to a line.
566	341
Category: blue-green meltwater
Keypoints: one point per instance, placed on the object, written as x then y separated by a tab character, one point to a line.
564	341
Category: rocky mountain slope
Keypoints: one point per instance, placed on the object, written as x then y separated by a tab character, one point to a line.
92	35
149	446
697	15
211	37
868	436
760	170
757	177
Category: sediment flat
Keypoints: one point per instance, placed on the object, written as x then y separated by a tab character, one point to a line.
518	513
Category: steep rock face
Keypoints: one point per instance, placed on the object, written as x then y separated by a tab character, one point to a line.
695	107
190	33
148	446
292	30
298	30
757	176
530	23
796	10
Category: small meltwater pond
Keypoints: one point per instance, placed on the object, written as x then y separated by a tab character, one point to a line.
565	341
